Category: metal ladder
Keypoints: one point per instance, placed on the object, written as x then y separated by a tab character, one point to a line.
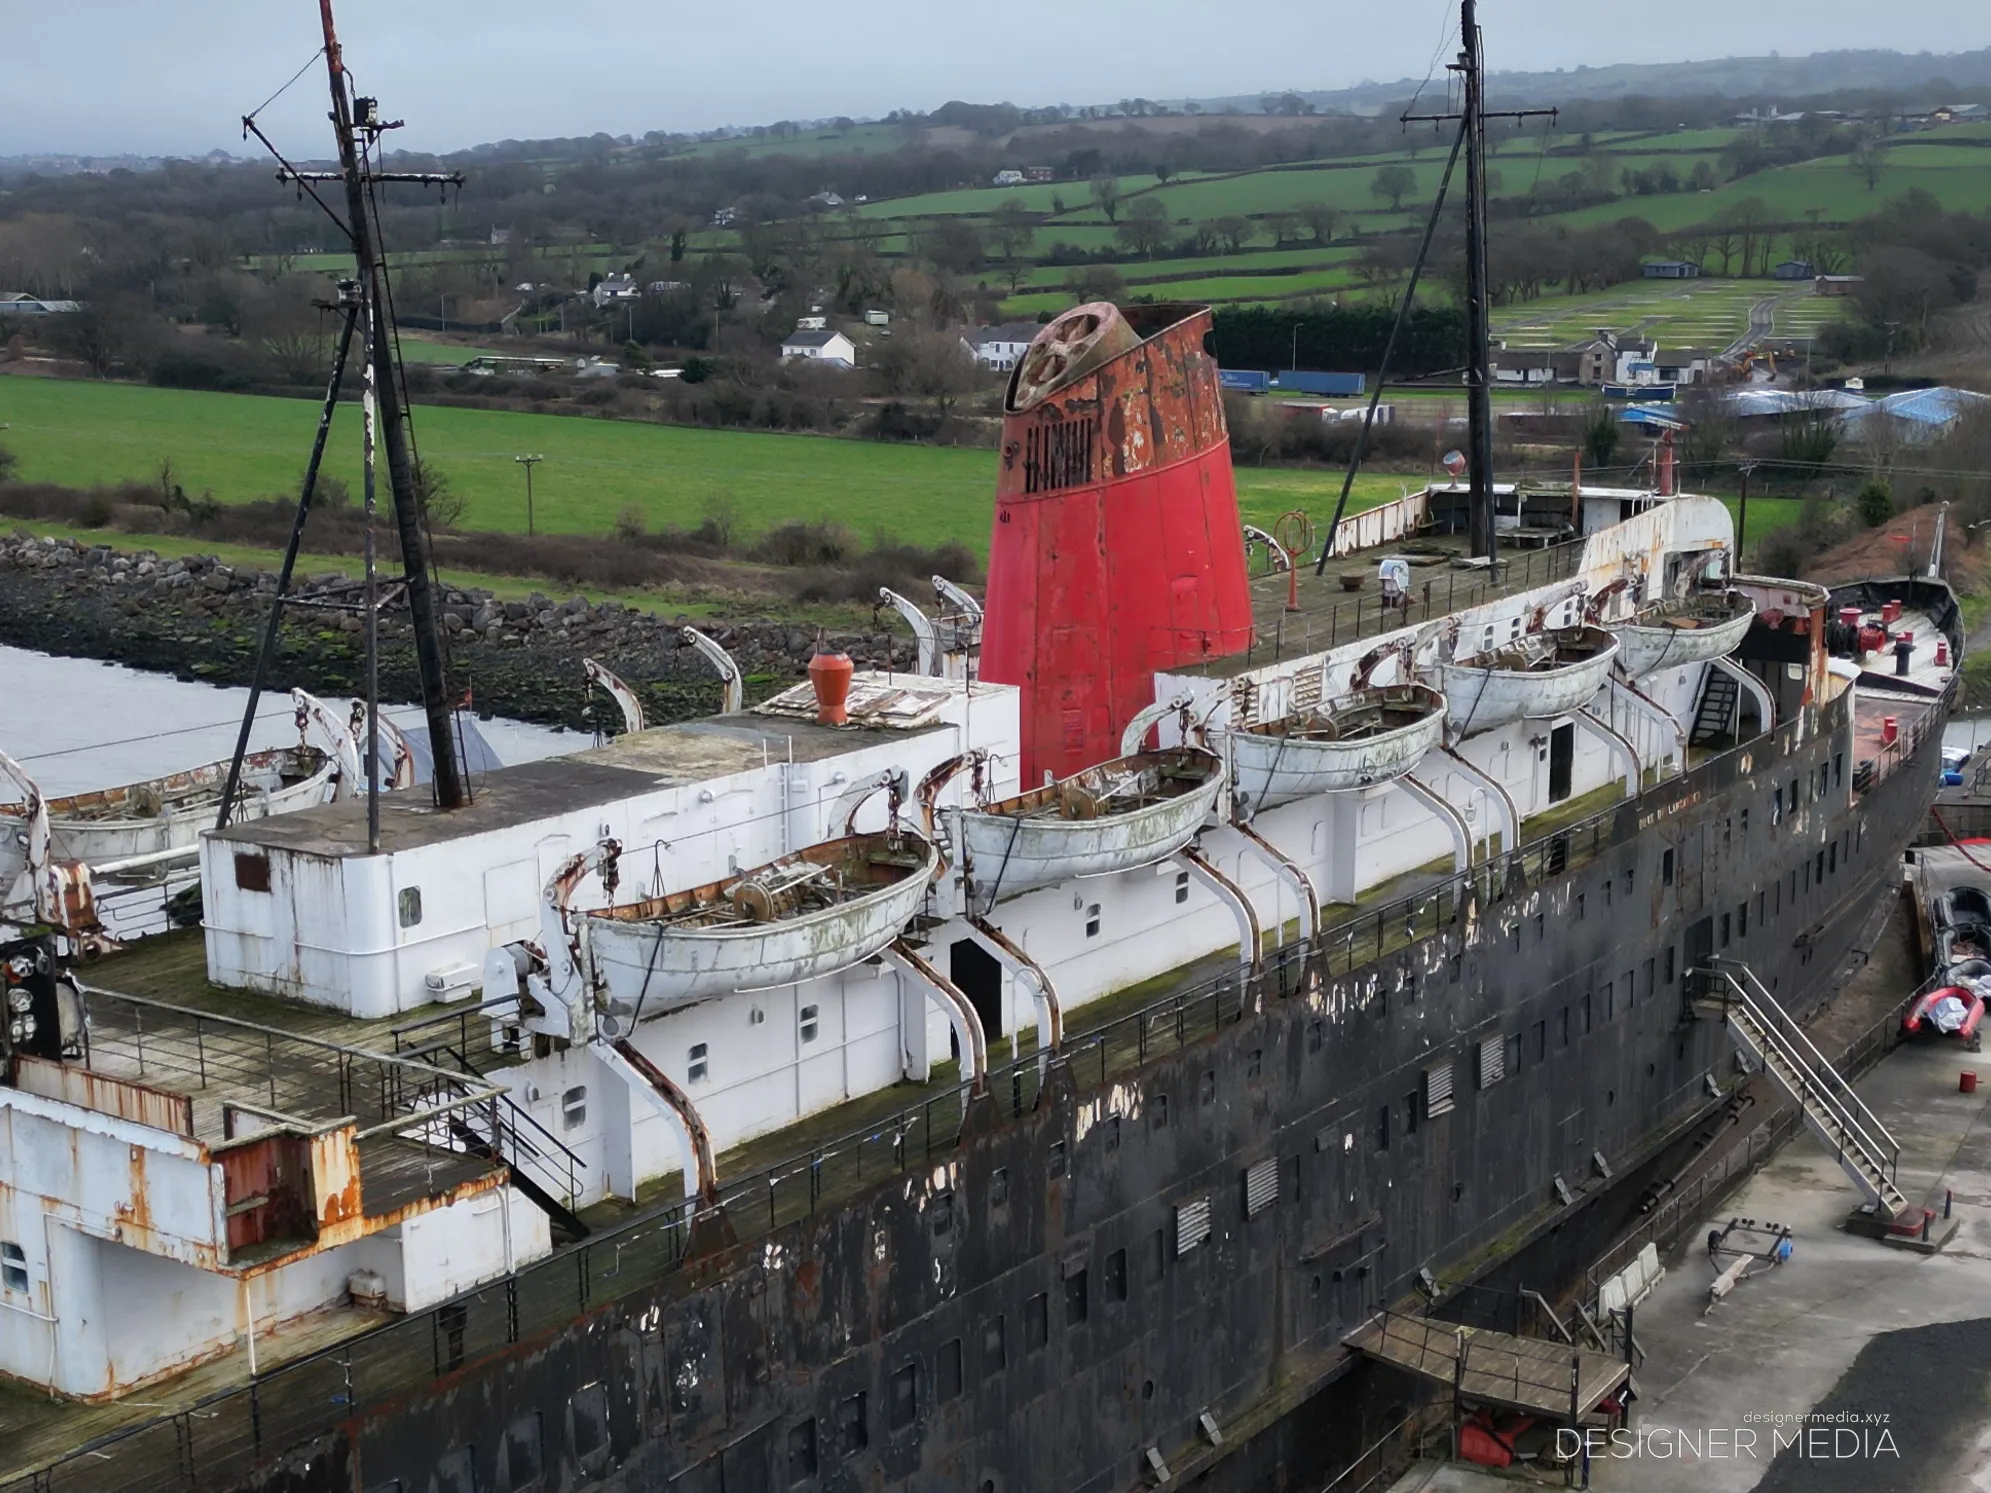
1763	1030
1715	717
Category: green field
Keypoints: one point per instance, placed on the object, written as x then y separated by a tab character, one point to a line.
1705	313
243	447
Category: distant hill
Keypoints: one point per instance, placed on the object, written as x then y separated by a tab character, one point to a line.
1731	77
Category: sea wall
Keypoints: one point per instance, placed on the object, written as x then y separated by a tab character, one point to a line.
197	618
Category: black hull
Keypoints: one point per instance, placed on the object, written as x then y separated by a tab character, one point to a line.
1020	1316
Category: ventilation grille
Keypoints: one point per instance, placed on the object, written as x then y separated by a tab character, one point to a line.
1492	1061
1261	1187
1192	1225
1438	1090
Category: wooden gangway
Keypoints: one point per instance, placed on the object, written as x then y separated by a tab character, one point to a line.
1553	1380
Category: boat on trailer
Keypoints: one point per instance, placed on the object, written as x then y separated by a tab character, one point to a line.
798	918
1126	813
1683	630
1354	740
1539	674
107	825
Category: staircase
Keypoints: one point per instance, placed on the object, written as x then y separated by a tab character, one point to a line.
1764	1031
1714	718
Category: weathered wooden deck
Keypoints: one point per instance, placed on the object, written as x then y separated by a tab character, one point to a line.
1552	1380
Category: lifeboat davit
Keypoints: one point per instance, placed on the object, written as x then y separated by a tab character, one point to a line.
1688	630
1538	674
1369	736
169	813
1118	816
806	915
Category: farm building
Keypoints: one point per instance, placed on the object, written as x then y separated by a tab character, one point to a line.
832	348
999	347
1670	269
1792	269
17	303
1839	284
617	288
1914	414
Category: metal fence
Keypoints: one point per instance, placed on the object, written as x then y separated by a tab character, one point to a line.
222	1434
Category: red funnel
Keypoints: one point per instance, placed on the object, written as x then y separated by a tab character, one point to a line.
1117	550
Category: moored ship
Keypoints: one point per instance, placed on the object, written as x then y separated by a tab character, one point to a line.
676	1115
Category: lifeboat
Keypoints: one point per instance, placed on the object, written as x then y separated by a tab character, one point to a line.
1687	630
1947	1011
1539	674
1368	736
169	813
806	915
1118	816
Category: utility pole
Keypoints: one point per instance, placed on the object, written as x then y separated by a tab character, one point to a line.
357	126
528	462
1479	375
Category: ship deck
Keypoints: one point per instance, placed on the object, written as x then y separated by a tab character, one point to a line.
1344	603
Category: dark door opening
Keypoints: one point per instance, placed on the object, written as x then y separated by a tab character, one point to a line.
1562	757
977	975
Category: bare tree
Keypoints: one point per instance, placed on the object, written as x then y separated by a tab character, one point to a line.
1322	221
1394	182
1234	229
1106	192
1869	157
1146	228
1282	226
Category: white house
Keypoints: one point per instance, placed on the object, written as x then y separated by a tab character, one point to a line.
820	347
617	288
1007	178
999	347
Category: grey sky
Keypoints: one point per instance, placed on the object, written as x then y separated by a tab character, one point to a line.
173	76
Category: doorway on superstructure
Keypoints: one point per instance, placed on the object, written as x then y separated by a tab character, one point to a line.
1562	760
977	975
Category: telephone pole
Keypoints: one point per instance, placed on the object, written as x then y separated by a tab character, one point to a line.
1479	335
528	462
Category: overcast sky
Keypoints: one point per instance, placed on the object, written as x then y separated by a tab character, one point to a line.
174	76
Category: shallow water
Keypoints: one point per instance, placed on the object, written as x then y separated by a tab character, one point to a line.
76	724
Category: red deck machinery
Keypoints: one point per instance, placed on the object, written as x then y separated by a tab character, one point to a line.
1117	549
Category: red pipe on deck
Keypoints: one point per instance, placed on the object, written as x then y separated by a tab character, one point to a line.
1117	549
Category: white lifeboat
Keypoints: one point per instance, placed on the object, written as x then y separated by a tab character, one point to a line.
1368	736
1539	674
169	813
806	915
1130	812
1687	630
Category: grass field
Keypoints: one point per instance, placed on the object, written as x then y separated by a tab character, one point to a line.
244	447
1706	313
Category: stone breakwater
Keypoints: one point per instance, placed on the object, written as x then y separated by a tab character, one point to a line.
199	619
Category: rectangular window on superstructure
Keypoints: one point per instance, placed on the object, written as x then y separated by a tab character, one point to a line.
1745	824
1666	868
1586	1013
1669	965
1832	857
13	1266
802	1451
1036	1322
1181	886
696	1065
1776	806
1541	1041
1605	1001
1838	769
809	1023
1092	920
1742	920
410	906
1724	930
950	1370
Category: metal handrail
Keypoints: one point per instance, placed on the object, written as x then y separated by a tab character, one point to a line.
1763	998
1885	1158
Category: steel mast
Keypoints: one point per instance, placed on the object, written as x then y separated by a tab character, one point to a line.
1472	117
355	120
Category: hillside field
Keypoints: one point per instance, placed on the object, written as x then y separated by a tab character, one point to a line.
244	447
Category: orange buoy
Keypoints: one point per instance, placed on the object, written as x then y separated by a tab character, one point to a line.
830	674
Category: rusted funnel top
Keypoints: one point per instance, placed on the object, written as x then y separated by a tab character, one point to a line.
1071	346
830	674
